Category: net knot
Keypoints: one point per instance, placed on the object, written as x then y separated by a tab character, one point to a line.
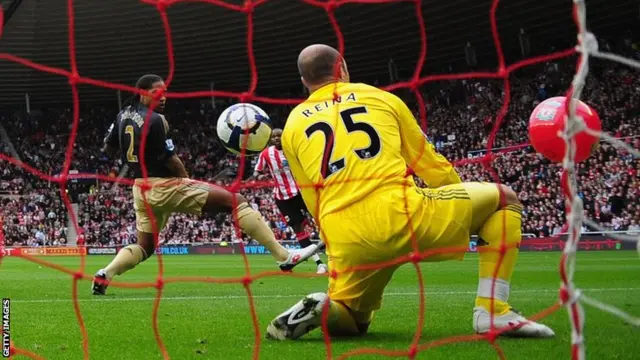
62	179
409	172
330	6
492	335
333	274
144	187
587	43
318	186
77	275
564	295
503	249
74	78
162	5
157	95
246	281
413	351
415	257
245	97
159	283
487	160
248	7
502	72
568	296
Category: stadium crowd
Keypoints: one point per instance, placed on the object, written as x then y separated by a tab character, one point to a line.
460	117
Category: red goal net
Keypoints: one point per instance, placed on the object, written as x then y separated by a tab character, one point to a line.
570	296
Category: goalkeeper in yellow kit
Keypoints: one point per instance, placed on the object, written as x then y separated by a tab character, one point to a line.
348	147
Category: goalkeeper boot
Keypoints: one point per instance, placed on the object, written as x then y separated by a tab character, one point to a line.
509	324
297	256
300	319
100	283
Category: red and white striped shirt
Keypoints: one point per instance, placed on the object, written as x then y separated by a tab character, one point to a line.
274	160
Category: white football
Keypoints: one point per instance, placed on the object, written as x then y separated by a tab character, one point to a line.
244	128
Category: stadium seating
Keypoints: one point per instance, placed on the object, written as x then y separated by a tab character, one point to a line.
460	116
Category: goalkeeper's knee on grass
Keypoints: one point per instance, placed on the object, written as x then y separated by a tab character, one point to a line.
498	247
306	315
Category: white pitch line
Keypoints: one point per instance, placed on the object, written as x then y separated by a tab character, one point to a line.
228	297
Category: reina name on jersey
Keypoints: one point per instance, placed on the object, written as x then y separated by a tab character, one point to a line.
327	104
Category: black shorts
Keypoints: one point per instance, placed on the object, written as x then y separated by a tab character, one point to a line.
293	209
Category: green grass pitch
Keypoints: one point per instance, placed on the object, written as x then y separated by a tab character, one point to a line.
212	321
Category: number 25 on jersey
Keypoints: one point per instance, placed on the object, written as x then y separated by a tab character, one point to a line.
329	167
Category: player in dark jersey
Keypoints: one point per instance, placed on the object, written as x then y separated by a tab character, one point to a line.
169	189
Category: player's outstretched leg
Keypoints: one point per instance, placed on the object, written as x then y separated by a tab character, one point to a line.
192	197
506	222
306	316
252	223
305	242
295	211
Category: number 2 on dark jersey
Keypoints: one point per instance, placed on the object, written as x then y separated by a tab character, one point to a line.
130	156
329	167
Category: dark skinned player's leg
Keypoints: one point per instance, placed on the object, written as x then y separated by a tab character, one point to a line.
249	220
304	240
295	210
192	197
131	255
162	199
147	242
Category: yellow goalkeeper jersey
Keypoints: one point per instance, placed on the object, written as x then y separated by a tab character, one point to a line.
341	149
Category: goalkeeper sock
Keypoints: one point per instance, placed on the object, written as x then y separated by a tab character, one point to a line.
251	223
344	322
127	258
505	223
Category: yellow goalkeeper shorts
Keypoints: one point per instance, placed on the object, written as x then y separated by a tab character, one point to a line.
380	229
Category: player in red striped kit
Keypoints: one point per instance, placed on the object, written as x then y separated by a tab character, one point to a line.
286	191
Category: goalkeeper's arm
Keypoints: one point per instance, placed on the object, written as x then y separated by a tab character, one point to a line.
419	153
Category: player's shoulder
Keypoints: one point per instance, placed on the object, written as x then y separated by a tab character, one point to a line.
158	120
157	117
295	122
363	89
140	113
384	99
371	96
296	113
